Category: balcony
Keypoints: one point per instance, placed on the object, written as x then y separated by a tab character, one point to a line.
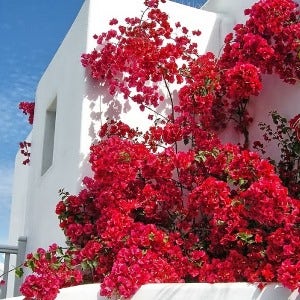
19	253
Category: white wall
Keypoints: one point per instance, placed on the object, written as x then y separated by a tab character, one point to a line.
234	9
18	208
19	196
64	81
276	95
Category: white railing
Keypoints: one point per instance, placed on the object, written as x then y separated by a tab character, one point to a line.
8	250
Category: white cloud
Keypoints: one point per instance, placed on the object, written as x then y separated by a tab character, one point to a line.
6	178
19	85
12	123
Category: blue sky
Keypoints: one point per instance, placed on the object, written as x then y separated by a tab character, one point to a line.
30	33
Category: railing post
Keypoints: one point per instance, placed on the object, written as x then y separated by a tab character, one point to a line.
5	277
19	261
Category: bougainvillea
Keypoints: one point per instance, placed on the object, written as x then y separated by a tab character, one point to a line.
53	268
24	149
28	110
269	40
174	204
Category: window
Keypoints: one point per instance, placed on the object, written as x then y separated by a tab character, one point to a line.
48	144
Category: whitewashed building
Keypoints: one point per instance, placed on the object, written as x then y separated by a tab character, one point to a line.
70	109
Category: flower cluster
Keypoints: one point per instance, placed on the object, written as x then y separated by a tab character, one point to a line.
243	81
267	43
24	147
269	39
219	220
198	96
52	270
27	109
174	204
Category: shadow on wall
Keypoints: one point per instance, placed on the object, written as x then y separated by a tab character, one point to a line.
104	107
99	107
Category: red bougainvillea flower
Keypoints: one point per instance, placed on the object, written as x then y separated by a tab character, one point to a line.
243	80
28	109
52	270
24	149
295	124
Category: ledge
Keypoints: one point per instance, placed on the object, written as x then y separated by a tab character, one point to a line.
80	292
186	291
217	291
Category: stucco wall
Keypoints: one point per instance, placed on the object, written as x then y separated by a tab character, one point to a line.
63	81
82	105
19	196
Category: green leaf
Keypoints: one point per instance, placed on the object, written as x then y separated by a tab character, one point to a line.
246	237
56	266
296	148
84	266
151	236
215	152
200	157
220	223
166	239
242	181
19	272
89	265
235	202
